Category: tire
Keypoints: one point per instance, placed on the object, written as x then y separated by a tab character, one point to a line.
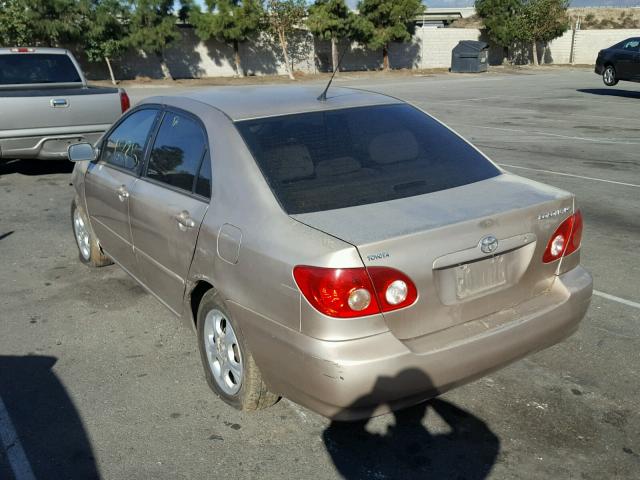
89	251
609	76
235	377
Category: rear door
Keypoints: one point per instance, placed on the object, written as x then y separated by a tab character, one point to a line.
168	205
110	181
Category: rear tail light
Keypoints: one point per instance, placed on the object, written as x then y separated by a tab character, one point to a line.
355	292
565	240
23	50
125	103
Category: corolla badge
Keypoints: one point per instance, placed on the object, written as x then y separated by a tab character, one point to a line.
489	244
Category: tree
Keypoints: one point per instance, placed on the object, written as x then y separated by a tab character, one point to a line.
106	32
232	21
381	22
153	28
331	20
500	17
542	21
37	23
282	18
15	30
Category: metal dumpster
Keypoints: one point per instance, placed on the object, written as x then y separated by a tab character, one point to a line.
469	56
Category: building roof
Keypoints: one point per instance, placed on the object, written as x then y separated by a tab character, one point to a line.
242	103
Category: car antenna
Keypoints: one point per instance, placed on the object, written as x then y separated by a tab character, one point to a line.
323	95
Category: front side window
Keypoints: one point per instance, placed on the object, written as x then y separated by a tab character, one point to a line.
631	45
342	158
124	148
177	152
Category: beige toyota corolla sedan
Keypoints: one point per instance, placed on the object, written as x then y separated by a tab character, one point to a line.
318	246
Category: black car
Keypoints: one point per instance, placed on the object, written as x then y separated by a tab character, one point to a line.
620	62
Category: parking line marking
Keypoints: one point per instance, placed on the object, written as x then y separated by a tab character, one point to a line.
13	448
613	298
619	141
570	175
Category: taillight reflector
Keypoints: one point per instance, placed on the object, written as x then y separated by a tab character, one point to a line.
565	240
125	103
355	292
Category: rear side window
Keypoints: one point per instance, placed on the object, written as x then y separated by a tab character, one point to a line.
177	152
124	148
342	158
26	68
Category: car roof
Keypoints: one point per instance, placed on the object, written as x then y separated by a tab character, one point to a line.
243	103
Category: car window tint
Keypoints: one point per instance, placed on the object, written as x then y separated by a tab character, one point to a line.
33	68
341	158
203	184
124	147
631	45
177	152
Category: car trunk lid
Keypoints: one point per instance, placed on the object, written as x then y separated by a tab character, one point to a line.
437	240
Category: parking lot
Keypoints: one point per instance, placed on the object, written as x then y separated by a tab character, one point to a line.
100	380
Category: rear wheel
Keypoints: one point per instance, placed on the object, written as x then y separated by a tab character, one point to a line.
609	76
89	251
228	364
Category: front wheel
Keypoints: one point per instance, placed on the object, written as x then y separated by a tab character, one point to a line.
609	76
89	251
228	364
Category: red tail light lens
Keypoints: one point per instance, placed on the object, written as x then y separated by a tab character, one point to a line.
354	292
394	289
125	103
565	240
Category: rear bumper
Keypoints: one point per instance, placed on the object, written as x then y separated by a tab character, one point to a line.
360	378
44	147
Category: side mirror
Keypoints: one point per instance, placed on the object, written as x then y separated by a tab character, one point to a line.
81	152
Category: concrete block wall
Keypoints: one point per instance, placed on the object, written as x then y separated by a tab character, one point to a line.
559	50
429	48
437	44
589	42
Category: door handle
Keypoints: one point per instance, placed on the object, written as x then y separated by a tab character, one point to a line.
59	102
185	221
122	193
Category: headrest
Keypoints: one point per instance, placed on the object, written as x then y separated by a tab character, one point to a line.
394	147
337	166
290	162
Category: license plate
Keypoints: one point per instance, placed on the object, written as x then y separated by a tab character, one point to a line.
479	277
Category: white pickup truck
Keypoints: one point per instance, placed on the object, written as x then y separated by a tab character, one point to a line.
46	104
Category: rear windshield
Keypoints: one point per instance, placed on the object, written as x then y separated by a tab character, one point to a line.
31	68
342	158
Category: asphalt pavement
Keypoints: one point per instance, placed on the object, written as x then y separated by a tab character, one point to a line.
97	379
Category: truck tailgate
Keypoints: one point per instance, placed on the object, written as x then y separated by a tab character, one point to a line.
56	109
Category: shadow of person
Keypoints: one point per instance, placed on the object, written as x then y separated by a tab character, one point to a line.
45	420
459	445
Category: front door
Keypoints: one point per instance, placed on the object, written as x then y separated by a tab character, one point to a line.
110	181
168	206
626	58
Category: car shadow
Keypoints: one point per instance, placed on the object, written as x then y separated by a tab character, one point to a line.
464	448
46	422
610	92
35	167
